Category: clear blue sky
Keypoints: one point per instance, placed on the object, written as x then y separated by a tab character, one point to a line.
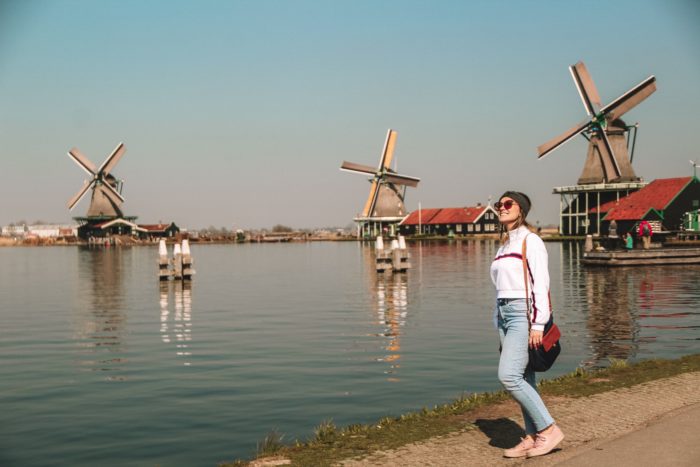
239	113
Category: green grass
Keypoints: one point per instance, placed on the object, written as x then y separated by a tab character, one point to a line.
271	444
331	444
619	374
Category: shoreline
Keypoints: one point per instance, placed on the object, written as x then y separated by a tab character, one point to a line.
591	406
128	243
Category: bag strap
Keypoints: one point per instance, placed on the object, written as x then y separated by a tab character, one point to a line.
527	291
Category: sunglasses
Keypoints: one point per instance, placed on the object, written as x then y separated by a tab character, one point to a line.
505	205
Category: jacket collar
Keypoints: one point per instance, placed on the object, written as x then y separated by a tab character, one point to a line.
518	235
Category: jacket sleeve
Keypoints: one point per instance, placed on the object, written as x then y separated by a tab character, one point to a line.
537	260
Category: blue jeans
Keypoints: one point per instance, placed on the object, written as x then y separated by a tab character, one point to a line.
512	367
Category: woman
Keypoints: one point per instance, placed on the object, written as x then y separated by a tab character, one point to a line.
510	317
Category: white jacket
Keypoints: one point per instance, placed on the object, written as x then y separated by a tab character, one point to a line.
507	274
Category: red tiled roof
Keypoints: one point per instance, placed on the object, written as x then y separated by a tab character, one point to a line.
656	195
458	215
466	215
605	207
425	216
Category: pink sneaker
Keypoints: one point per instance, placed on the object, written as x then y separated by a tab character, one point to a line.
545	443
522	448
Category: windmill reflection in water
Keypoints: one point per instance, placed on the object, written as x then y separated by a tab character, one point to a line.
101	320
391	299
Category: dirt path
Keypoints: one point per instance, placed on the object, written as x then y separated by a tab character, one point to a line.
587	422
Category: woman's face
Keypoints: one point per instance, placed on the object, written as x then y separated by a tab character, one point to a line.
508	211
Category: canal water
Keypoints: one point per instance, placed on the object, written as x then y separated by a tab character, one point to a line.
102	365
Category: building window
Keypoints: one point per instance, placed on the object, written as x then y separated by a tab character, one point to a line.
477	227
470	228
458	228
696	203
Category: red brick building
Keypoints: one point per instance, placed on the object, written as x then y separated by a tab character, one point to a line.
662	202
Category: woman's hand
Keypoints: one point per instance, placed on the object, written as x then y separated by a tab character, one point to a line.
535	338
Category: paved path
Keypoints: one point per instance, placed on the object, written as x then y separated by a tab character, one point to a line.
655	423
673	440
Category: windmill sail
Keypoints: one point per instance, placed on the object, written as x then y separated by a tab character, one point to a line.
384	198
608	160
106	201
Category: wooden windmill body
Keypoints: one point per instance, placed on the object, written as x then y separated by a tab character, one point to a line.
384	207
607	172
594	170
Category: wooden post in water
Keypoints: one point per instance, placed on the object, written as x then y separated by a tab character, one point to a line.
180	266
163	271
187	261
404	264
383	260
177	261
395	258
379	244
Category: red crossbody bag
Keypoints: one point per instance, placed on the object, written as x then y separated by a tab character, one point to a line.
543	357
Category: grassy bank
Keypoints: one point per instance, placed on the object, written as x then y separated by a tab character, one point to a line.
331	444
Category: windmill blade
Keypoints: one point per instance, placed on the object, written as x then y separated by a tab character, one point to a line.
111	193
371	199
83	161
114	200
554	143
113	159
630	99
398	179
79	195
586	88
388	153
607	156
358	168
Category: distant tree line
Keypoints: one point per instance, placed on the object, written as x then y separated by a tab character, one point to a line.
277	228
23	222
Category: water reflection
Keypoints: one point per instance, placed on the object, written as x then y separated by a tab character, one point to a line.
391	298
667	301
612	324
101	319
633	307
176	320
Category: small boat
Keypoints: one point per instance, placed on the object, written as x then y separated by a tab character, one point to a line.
639	257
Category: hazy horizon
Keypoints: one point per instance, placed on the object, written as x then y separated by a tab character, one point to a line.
238	114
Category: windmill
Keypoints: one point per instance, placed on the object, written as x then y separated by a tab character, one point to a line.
695	166
385	198
104	216
607	160
106	189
